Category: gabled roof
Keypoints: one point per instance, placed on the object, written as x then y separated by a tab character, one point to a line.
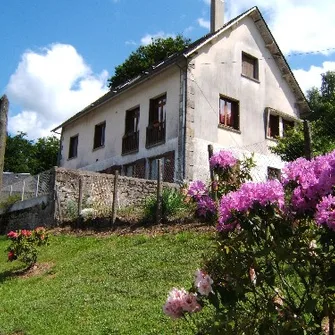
265	32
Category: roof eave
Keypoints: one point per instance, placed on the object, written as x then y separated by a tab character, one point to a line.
111	95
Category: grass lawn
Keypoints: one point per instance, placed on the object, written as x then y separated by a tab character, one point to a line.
100	285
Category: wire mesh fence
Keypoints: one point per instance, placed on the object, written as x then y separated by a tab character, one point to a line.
29	187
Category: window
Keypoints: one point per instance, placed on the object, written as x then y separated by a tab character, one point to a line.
132	119
73	147
273	129
131	137
273	173
156	128
229	113
167	164
99	135
157	110
249	66
278	123
135	169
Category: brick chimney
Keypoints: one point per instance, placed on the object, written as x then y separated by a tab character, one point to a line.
217	13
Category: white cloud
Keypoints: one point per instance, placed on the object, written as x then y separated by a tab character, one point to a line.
312	77
50	86
297	25
147	39
130	42
204	23
207	2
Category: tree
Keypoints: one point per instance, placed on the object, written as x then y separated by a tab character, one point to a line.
23	155
19	152
322	122
145	57
46	153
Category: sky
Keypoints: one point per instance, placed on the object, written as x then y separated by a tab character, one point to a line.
56	55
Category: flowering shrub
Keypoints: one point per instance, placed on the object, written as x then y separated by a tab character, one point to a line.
24	244
223	160
273	271
230	172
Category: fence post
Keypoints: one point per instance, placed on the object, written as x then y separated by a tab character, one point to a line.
159	192
211	172
80	196
23	187
115	195
37	185
307	140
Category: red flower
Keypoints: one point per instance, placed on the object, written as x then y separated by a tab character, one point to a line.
40	230
11	256
12	235
25	232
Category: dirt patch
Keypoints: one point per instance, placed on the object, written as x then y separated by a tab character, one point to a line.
35	270
136	229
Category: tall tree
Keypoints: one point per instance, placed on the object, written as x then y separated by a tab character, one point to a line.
23	155
322	122
146	56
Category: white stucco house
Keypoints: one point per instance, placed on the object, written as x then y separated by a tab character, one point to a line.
231	88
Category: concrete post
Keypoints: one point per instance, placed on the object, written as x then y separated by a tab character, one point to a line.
4	105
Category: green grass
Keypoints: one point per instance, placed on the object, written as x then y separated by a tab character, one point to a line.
114	285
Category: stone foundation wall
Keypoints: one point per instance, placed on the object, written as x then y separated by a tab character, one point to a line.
97	190
61	205
29	214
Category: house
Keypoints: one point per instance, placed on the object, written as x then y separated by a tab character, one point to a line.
231	88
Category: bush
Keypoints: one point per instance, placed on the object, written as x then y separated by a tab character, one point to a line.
24	245
173	205
273	271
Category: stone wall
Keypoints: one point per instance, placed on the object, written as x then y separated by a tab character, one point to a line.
29	214
61	205
97	190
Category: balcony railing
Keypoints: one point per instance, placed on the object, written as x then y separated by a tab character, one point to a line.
155	134
130	143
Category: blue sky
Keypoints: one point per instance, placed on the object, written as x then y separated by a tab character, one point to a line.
56	55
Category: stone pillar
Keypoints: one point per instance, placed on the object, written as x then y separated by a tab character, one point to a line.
4	105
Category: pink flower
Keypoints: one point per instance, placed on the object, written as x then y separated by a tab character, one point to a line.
173	306
190	303
203	282
197	190
244	199
223	160
12	235
325	212
179	302
25	232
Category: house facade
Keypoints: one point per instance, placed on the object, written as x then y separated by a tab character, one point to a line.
232	89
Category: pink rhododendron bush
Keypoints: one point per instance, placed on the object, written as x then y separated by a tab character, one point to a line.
273	270
25	243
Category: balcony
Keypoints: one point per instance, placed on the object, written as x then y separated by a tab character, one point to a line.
130	143
155	134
